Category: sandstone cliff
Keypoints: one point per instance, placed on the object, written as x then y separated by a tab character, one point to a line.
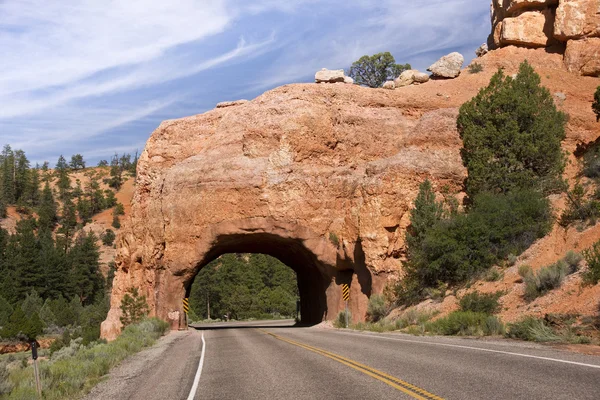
569	27
325	174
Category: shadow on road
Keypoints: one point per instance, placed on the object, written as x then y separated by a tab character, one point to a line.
250	325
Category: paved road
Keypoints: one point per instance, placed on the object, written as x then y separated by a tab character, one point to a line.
273	360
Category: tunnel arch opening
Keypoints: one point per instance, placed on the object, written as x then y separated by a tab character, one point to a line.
313	276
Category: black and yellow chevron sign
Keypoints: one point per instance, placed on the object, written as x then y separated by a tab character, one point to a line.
346	291
186	305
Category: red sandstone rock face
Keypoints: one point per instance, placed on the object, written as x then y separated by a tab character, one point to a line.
545	23
583	56
320	175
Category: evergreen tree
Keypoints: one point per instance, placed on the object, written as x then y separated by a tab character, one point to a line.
32	304
77	162
53	260
32	191
68	223
62	172
116	173
23	252
6	311
134	307
512	135
47	209
425	214
7	160
85	264
22	176
373	71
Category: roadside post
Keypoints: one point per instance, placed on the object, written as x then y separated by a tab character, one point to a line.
186	309
346	297
36	372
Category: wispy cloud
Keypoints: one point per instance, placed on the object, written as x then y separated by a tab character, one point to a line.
74	73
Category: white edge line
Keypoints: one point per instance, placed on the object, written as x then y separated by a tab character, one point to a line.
474	348
198	372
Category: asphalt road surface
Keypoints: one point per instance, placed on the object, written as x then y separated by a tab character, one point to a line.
274	360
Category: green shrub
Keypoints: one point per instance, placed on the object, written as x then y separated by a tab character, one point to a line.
511	260
108	237
579	206
573	259
546	279
493	275
486	303
592	257
493	326
512	134
134	307
475	68
334	239
373	71
340	321
525	270
462	323
77	368
376	308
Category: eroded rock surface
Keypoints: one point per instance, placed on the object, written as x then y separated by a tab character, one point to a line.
321	176
566	25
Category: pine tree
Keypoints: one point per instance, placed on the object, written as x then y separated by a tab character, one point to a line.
7	159
425	214
22	178
77	162
63	183
85	264
68	223
32	191
23	249
134	307
47	209
512	135
6	311
116	172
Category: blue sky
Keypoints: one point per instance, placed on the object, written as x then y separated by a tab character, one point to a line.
98	76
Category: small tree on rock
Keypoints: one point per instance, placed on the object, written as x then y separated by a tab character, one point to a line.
373	71
596	104
512	135
134	307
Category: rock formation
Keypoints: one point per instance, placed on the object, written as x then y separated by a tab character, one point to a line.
321	176
389	85
448	66
329	76
410	77
572	26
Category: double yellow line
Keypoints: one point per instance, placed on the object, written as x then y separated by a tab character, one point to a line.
411	390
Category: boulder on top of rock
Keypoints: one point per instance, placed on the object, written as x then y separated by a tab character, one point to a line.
224	104
329	76
577	19
406	78
531	29
583	56
389	85
448	66
348	80
482	50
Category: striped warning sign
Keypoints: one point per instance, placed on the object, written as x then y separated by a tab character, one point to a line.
346	291
186	305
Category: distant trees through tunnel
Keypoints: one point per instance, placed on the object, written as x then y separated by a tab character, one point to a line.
242	286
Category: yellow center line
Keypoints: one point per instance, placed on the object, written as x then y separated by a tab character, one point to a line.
411	390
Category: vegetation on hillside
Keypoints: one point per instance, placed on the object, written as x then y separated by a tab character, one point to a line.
241	286
373	71
512	135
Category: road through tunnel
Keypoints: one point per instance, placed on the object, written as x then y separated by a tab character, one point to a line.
312	276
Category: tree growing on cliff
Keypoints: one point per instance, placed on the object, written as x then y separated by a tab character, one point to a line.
512	135
373	71
596	104
134	307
